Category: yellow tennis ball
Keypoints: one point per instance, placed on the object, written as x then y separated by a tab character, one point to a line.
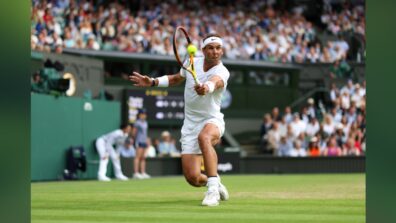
191	49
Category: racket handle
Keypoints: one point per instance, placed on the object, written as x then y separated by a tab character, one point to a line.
197	81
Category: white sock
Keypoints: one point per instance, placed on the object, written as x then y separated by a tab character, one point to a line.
213	183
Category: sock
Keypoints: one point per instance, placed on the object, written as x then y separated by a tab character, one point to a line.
213	183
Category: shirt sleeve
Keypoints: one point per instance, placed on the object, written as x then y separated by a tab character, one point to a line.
224	74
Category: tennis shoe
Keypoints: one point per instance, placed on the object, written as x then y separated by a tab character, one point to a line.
224	196
104	178
122	177
145	176
137	176
212	198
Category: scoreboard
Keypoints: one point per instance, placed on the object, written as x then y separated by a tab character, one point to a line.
161	105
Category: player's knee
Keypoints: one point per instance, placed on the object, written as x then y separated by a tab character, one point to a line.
203	139
192	179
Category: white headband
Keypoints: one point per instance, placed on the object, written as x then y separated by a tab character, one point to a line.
212	39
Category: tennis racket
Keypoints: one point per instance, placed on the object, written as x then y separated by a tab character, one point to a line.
181	41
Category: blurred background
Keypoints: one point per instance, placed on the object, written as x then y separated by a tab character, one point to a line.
295	102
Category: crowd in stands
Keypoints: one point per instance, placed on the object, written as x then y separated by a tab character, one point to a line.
339	130
165	146
263	32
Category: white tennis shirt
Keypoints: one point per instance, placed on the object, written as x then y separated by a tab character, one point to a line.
115	137
202	107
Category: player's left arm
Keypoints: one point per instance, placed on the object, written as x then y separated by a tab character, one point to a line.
209	86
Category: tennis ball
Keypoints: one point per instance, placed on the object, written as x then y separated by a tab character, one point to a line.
191	49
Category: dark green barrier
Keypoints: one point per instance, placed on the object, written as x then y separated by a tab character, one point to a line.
58	123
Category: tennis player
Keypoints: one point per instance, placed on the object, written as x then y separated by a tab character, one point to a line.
203	123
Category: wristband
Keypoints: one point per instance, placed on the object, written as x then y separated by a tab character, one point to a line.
152	82
211	86
163	81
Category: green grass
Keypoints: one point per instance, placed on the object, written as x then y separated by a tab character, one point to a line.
253	198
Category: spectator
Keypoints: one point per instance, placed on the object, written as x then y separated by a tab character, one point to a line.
284	147
272	138
297	125
298	150
150	151
275	114
340	134
313	127
283	126
313	148
127	149
340	69
140	134
311	108
336	115
275	35
166	147
332	148
334	92
266	125
328	125
288	115
350	148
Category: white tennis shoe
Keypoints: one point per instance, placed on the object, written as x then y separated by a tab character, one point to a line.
122	177
212	198
137	176
224	196
145	176
104	178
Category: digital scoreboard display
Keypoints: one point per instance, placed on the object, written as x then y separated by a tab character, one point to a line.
160	105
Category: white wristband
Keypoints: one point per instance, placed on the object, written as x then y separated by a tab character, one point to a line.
163	81
211	86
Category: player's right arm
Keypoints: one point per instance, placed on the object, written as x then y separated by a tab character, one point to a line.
140	80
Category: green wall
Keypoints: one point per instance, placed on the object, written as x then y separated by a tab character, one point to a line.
58	123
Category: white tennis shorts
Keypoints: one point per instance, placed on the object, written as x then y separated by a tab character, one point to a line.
190	132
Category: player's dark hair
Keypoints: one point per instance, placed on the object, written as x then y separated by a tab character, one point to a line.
124	125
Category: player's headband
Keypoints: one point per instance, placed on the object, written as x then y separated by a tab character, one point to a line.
213	39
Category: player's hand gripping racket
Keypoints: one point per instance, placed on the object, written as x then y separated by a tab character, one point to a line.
181	42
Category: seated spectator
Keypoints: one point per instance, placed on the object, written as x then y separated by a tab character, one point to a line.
336	115
303	140
332	148
266	125
283	126
166	147
298	150
150	151
311	108
284	147
313	127
272	139
275	114
340	69
328	125
288	115
313	148
350	148
127	150
340	134
297	125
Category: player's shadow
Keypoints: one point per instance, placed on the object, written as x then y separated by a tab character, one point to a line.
184	202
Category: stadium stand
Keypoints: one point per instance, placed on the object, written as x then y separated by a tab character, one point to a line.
269	31
342	125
